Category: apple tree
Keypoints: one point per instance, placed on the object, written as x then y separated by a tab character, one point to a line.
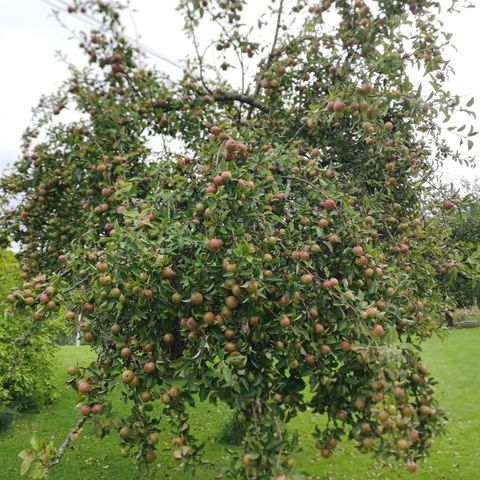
264	238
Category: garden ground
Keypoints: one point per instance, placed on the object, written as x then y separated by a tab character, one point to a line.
456	456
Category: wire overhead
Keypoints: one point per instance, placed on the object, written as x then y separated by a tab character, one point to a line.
93	22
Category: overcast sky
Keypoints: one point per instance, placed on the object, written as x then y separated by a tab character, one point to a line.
29	37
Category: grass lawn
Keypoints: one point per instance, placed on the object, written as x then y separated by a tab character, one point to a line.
456	456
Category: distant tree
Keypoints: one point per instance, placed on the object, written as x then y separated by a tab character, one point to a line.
465	228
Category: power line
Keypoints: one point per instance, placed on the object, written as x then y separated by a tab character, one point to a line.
93	22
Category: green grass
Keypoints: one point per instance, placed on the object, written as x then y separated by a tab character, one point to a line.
455	456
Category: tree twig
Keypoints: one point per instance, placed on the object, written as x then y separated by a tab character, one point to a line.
197	51
268	63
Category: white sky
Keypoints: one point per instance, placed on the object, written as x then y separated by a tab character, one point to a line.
29	37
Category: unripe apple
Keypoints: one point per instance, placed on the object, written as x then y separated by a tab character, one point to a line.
306	279
284	322
149	367
127	376
231	302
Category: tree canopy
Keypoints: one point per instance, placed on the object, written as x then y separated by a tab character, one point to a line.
274	245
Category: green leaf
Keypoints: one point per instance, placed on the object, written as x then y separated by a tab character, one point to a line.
25	455
471	102
34	443
27	458
37	471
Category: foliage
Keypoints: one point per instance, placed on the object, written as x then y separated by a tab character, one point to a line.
465	228
26	357
293	241
35	459
453	360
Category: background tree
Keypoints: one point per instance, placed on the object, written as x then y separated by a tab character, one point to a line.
465	230
278	252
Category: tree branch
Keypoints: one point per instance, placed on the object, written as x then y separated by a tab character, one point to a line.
271	54
238	97
65	444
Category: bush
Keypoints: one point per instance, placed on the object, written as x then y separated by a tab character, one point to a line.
26	359
7	416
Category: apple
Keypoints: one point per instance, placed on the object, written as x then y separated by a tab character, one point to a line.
85	410
378	330
168	273
326	284
325	452
284	322
325	350
447	205
149	367
329	204
125	352
127	376
146	397
357	250
310	359
306	279
411	466
83	386
361	261
214	244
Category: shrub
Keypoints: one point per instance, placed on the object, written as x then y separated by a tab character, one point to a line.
26	355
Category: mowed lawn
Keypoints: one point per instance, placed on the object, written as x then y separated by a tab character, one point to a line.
455	362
